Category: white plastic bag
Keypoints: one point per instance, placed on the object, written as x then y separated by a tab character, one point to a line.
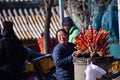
93	72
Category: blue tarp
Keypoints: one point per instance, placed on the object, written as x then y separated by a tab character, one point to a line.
104	14
32	54
115	50
109	21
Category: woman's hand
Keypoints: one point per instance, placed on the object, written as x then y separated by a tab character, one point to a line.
77	53
86	53
81	53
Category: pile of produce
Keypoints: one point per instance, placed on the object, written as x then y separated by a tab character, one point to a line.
93	41
115	68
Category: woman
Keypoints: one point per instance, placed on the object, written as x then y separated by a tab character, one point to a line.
63	55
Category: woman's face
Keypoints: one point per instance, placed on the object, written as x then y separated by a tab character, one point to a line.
62	37
67	28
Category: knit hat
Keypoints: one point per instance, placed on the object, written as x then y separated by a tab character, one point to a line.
68	22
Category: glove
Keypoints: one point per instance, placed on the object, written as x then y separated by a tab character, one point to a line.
77	53
86	54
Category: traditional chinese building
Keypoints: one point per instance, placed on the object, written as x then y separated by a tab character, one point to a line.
28	17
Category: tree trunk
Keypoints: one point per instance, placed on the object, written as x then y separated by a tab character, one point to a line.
48	6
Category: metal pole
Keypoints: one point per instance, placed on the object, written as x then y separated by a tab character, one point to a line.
61	8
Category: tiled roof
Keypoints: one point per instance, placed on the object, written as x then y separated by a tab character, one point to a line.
29	21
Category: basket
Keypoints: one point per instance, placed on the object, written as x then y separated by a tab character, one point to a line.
44	64
103	62
29	67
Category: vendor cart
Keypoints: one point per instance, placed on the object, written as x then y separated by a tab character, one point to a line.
44	67
80	65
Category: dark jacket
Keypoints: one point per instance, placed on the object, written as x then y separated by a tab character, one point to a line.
12	55
64	61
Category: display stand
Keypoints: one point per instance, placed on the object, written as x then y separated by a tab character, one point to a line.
80	65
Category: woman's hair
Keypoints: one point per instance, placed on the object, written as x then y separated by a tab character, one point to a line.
63	30
8	28
42	34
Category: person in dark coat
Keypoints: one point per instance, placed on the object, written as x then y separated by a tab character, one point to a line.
0	34
63	55
12	54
